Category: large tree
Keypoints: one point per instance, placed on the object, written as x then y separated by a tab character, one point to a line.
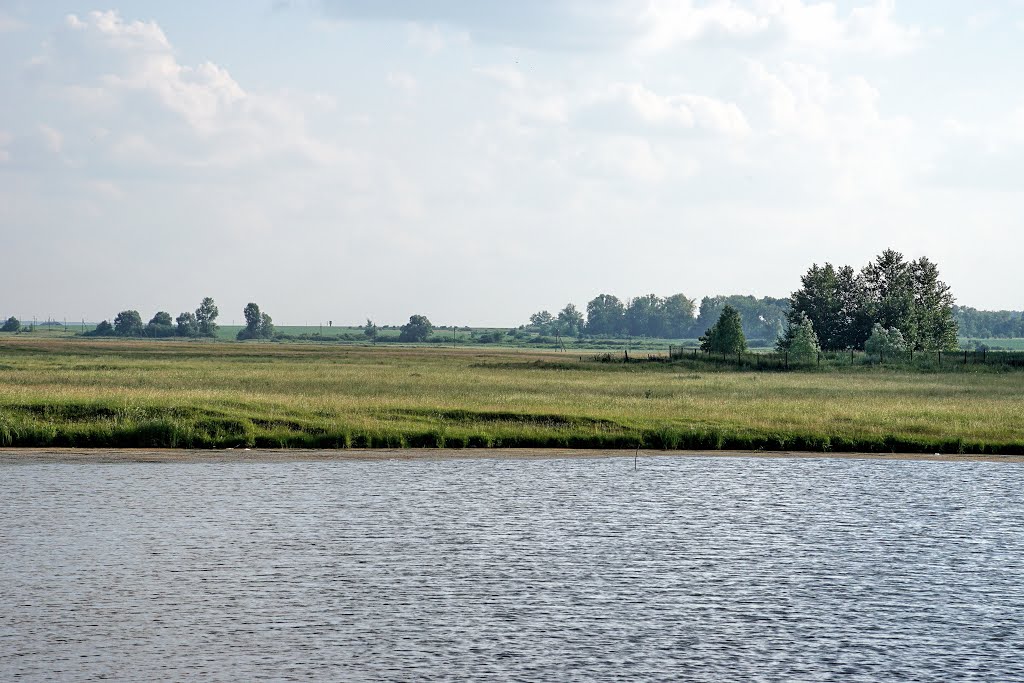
678	316
569	321
833	300
160	325
12	324
128	324
889	288
206	316
188	326
605	315
645	316
933	308
418	329
726	335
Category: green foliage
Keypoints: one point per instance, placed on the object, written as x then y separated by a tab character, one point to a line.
206	315
541	321
128	324
885	342
726	336
104	329
605	315
12	324
800	341
989	324
570	321
761	318
890	291
258	325
188	326
370	330
416	330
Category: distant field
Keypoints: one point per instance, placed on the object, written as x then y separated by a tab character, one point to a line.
108	393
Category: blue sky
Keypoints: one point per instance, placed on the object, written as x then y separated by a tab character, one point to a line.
475	162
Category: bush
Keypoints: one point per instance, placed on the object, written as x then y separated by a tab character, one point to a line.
11	325
885	342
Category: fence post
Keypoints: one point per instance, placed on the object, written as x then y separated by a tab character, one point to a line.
819	359
965	358
787	360
739	358
911	353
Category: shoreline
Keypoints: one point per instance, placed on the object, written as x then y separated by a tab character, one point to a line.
156	455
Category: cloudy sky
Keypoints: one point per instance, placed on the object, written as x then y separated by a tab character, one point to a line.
477	161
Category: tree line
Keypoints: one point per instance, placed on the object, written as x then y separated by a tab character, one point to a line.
128	323
673	317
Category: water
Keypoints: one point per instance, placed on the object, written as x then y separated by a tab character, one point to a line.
688	569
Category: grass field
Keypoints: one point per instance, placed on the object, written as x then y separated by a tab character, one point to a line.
106	393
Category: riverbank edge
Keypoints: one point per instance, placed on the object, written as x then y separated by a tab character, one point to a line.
231	455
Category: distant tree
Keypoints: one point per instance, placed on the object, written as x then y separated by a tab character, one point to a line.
800	341
934	323
188	326
889	288
267	329
726	336
570	321
416	330
885	342
678	316
370	330
160	325
128	324
761	318
645	316
206	315
542	321
253	318
12	324
104	329
606	315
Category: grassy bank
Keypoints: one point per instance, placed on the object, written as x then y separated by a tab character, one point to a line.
108	393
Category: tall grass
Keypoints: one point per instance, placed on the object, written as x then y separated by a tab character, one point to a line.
109	393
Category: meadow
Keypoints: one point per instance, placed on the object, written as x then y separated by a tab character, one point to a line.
206	394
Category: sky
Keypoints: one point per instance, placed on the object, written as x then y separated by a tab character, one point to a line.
478	161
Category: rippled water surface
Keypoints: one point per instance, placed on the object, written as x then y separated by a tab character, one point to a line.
687	569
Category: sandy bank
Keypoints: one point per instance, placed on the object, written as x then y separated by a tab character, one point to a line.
62	455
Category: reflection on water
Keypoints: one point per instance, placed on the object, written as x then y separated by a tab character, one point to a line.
687	569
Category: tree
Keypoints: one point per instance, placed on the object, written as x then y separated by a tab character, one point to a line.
206	314
188	326
542	320
160	325
889	288
678	316
267	330
416	330
253	323
761	318
936	327
11	325
370	330
104	329
800	341
605	315
726	336
128	324
645	316
885	342
570	321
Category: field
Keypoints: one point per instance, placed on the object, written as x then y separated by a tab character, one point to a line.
107	393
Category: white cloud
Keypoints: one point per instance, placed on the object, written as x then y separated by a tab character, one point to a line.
687	111
869	28
124	76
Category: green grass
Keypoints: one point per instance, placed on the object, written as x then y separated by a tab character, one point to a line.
113	393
